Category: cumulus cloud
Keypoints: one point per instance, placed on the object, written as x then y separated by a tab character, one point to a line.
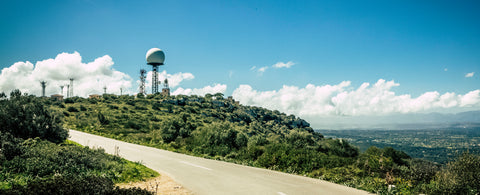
340	100
283	65
216	88
89	78
174	80
468	75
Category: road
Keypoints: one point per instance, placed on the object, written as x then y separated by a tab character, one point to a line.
205	176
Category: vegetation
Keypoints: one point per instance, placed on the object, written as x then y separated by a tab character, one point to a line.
219	128
36	158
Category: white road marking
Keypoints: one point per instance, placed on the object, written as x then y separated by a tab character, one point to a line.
187	163
281	193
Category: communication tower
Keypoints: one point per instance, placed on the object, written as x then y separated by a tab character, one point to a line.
166	89
71	87
142	81
104	89
121	90
155	58
68	90
44	84
61	89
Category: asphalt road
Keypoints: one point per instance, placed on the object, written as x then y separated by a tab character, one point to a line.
204	176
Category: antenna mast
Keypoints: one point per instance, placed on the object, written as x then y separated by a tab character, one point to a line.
68	90
61	89
44	84
142	81
71	87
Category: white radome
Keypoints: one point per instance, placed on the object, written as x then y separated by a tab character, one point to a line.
155	56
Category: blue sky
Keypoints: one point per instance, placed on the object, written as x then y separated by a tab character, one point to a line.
424	46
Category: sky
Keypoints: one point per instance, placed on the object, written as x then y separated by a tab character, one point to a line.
315	59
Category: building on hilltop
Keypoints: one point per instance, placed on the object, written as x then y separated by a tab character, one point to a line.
57	97
94	96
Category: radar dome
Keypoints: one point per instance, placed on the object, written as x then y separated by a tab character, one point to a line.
155	56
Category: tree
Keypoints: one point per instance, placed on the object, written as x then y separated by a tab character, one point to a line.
26	117
218	96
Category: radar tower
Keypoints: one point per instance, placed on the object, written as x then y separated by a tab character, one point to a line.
155	58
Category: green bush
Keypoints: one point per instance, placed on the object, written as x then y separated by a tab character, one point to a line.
43	159
62	185
461	176
72	109
9	146
26	117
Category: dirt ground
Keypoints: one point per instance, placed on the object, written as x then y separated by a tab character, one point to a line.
161	185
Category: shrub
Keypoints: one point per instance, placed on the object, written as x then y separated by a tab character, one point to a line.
72	109
26	117
461	176
72	185
9	146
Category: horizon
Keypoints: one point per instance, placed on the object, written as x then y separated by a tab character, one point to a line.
326	61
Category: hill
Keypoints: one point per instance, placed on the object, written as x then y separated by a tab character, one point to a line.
220	128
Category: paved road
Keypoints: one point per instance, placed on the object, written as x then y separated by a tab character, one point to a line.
204	176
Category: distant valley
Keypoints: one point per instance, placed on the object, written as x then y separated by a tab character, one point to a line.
439	145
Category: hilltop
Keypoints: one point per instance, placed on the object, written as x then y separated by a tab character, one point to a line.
220	128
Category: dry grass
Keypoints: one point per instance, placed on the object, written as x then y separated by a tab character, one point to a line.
160	185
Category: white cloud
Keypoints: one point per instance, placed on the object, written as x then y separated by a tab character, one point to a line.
277	65
89	77
174	80
262	69
283	65
468	75
217	88
446	69
338	100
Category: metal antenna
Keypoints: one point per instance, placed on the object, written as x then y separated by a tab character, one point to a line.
105	89
165	83
61	89
71	87
142	81
68	90
44	84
